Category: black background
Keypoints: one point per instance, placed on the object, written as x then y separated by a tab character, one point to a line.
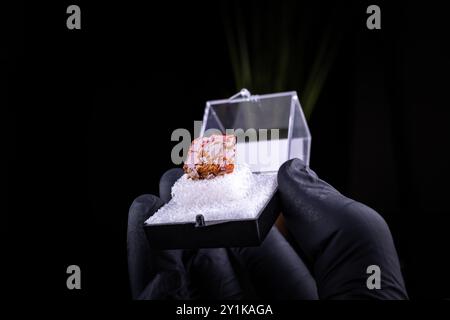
90	113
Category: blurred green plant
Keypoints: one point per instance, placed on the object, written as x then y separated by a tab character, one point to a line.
277	47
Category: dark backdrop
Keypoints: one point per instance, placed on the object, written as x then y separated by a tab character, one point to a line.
90	114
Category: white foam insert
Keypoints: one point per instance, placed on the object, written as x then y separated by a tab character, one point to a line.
239	195
268	155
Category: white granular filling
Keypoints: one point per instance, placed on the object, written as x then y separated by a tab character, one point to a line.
239	195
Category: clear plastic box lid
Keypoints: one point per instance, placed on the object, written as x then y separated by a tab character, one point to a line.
270	128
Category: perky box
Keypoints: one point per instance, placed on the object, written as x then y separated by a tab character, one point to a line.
270	130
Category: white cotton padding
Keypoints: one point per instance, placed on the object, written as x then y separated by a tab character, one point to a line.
229	187
238	195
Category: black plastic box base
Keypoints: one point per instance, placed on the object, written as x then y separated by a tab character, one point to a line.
215	234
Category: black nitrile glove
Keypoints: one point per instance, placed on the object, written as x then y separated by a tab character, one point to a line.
339	237
153	274
174	274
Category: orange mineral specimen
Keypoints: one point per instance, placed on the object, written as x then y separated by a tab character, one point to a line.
209	157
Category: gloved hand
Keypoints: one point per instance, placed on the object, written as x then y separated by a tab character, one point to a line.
336	237
339	236
174	274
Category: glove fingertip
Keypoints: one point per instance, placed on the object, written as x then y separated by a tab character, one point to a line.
142	208
294	169
167	181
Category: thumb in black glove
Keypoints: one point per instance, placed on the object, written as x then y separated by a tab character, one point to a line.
339	236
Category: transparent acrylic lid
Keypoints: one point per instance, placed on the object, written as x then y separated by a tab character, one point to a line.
270	128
